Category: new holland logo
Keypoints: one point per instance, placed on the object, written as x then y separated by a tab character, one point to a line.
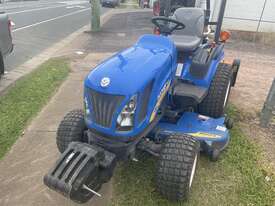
105	82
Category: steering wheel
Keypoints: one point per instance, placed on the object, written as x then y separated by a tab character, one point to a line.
166	26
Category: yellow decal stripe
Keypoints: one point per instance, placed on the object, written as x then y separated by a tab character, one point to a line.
205	135
160	98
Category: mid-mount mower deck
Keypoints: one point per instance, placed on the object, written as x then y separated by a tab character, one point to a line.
166	95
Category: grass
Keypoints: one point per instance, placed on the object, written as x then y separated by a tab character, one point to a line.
236	179
26	98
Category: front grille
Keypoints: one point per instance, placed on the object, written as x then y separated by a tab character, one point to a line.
104	107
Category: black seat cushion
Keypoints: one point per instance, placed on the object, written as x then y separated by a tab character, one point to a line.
186	43
191	36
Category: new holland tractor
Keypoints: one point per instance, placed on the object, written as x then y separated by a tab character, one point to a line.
165	95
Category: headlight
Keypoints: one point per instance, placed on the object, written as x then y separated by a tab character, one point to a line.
126	117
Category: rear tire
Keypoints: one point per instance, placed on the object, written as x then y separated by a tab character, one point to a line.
177	165
71	129
215	102
2	65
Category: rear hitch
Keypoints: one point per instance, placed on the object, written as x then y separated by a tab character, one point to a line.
80	171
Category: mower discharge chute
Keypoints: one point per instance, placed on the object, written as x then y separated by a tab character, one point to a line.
165	95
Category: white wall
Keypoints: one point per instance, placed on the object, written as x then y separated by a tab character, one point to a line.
246	15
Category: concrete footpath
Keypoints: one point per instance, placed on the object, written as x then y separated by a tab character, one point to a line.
22	169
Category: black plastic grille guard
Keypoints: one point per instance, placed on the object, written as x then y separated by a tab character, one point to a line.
81	164
103	107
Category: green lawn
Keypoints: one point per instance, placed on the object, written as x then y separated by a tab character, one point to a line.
25	99
236	179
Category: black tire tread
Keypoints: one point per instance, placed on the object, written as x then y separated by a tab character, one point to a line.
70	129
2	65
213	104
175	166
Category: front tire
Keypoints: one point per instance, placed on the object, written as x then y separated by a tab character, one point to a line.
71	129
215	102
177	166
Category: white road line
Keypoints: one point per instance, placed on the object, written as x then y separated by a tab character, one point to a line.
49	20
77	6
74	2
20	5
29	10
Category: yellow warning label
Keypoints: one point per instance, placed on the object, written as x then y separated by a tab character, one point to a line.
205	135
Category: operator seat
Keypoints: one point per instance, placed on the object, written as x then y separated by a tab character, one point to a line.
191	36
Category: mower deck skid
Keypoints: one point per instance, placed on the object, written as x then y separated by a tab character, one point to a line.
80	171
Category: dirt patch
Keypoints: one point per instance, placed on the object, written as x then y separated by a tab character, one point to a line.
254	81
266	139
255	76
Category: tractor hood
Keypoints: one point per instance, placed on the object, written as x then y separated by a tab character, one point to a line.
142	73
129	71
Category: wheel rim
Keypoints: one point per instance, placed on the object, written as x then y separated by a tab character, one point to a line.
227	94
193	171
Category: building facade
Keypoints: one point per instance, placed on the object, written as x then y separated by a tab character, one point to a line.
250	15
247	15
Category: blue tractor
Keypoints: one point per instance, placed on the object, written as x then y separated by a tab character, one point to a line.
165	95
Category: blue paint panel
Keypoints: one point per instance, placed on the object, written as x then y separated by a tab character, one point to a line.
192	123
152	58
132	69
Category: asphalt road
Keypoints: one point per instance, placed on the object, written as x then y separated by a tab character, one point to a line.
40	24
